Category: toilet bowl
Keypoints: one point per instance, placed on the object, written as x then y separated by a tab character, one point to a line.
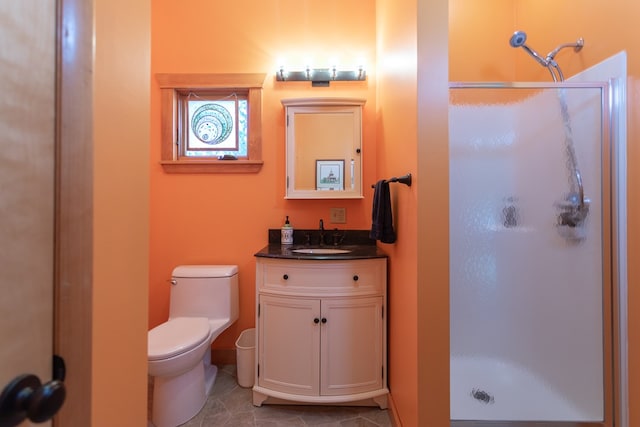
203	303
175	346
176	351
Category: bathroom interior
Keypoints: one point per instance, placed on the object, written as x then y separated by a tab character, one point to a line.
412	52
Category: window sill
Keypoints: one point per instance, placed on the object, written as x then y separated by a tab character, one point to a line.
212	166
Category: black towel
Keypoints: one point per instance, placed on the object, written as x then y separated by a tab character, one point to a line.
382	220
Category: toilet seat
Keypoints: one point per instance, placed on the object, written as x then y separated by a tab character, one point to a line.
177	336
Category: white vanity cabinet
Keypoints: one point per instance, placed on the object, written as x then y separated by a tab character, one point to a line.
321	331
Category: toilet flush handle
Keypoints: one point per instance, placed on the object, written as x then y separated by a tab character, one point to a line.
173	282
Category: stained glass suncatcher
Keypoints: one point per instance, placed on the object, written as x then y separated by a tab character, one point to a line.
212	125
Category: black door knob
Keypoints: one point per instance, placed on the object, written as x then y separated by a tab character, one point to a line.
27	398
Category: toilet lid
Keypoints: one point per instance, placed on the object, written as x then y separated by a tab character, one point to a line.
177	336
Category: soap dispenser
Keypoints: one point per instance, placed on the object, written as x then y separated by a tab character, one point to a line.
286	233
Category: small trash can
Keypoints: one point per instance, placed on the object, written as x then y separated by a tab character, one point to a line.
245	357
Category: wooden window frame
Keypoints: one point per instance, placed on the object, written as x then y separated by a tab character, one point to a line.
171	85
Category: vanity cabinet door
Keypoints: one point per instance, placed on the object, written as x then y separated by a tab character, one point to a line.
351	346
289	344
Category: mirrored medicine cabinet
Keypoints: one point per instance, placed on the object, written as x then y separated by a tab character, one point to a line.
323	148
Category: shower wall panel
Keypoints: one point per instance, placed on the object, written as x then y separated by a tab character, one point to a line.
526	293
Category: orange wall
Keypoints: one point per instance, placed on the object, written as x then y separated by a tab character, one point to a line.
412	132
224	218
433	214
477	51
607	29
121	212
397	140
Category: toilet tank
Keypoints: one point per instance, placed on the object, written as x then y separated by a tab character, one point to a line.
204	291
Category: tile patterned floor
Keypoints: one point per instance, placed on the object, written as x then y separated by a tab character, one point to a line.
229	405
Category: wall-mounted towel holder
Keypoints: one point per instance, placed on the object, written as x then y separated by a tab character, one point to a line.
405	179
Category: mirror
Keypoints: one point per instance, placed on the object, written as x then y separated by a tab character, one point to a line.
324	148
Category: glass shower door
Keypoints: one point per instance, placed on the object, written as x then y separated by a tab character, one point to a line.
530	254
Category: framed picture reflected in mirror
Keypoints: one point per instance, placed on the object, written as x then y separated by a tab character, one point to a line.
329	175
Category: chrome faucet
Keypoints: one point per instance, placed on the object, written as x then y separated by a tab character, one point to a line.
321	232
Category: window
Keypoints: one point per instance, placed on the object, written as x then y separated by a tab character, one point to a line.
211	123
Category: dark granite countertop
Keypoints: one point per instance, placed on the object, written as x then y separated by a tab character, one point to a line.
357	242
286	252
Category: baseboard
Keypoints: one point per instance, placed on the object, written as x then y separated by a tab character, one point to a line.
223	356
393	413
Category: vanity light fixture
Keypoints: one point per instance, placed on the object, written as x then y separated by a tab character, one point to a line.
321	76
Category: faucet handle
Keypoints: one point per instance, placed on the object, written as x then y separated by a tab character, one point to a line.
338	237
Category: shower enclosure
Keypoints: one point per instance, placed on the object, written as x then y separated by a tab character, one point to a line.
530	288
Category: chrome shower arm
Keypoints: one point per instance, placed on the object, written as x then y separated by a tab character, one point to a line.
577	46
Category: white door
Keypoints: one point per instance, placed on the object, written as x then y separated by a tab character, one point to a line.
27	135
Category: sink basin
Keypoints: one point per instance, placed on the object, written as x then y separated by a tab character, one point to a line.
321	251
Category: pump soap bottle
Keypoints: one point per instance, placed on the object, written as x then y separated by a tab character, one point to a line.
286	233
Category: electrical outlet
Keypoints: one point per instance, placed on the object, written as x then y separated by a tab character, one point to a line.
338	215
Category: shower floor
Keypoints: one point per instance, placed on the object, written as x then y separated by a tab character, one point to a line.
486	389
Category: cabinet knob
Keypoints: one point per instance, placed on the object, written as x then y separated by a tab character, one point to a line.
316	320
324	320
355	278
285	277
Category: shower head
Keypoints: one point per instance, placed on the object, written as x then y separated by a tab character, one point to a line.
518	39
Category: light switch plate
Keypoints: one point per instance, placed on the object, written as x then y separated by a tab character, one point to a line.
338	215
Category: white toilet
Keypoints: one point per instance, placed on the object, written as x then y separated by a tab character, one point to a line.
203	303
